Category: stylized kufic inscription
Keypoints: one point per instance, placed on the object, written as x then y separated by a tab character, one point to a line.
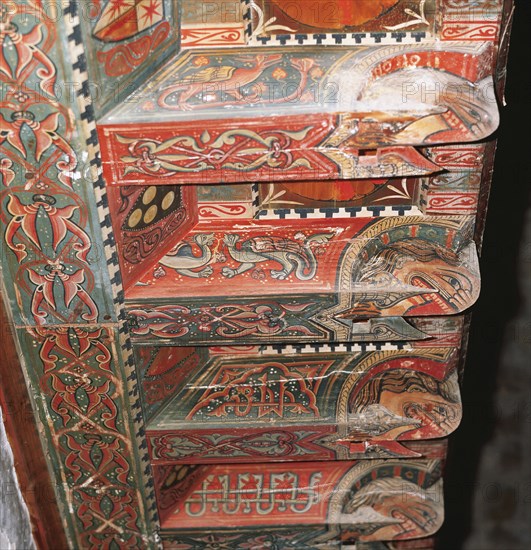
272	390
251	493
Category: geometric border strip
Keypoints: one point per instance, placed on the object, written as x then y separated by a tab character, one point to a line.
343	212
343	39
280	349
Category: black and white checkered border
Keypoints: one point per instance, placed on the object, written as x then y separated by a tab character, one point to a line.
88	129
301	349
255	196
423	194
247	20
336	213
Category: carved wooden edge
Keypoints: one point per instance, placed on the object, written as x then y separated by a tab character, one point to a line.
484	193
500	78
500	67
465	340
30	463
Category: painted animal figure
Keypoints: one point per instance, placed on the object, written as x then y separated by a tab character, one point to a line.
225	78
183	260
293	256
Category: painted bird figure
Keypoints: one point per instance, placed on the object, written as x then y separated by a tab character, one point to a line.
211	80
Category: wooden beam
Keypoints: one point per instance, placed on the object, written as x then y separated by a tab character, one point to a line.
21	428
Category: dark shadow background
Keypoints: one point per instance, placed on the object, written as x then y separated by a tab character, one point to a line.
488	480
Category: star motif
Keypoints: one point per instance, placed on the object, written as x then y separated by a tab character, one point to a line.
151	12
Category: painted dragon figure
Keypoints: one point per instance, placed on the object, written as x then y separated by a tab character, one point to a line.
232	81
293	256
183	260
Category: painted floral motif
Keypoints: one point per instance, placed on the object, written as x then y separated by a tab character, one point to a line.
25	221
78	374
237	150
46	219
29	51
258	320
46	135
45	288
254	444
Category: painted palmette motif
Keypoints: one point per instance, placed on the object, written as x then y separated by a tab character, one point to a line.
240	246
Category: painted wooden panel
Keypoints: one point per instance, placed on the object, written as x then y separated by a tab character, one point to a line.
273	17
338	22
325	501
318	111
282	403
54	261
152	223
393	267
213	23
60	281
124	42
237	262
88	412
302	539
